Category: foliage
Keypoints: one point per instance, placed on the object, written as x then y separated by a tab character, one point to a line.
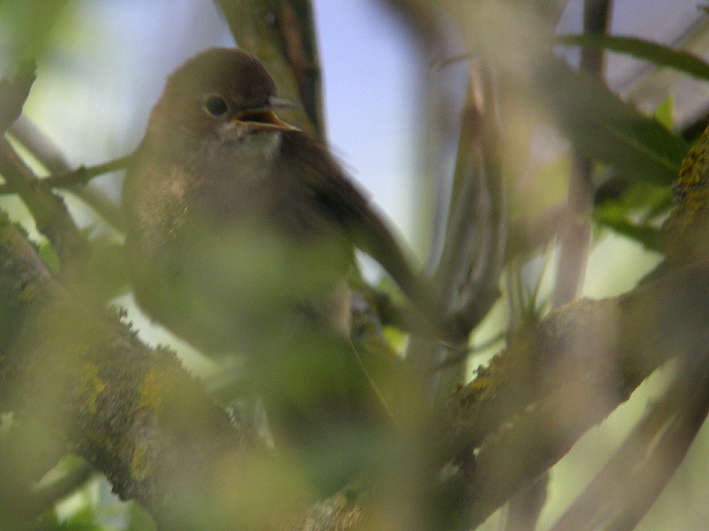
74	376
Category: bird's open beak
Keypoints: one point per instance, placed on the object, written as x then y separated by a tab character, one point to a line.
265	119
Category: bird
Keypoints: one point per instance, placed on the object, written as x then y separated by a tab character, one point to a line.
238	223
241	232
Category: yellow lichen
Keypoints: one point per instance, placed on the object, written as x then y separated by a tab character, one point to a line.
151	392
140	466
684	232
89	386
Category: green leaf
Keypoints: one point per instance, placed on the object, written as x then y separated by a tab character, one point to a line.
605	128
641	49
107	271
83	520
664	113
641	202
30	24
638	214
46	251
648	236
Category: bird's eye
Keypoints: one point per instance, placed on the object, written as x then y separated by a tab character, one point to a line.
216	105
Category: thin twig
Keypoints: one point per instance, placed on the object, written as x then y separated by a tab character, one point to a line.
51	157
49	211
79	176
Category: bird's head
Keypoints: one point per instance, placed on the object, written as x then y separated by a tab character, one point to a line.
221	93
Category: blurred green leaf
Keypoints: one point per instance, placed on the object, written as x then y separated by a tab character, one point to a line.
49	255
665	112
604	127
13	94
641	49
27	24
661	207
107	266
82	520
640	200
637	214
140	520
648	236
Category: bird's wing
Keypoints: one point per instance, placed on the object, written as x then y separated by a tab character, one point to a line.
341	198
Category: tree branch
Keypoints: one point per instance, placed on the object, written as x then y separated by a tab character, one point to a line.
63	175
49	211
281	34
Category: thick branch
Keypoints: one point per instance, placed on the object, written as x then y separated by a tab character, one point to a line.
557	381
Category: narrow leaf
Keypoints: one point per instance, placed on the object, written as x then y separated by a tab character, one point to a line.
641	49
603	127
649	237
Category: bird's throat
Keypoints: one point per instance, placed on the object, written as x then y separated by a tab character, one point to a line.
252	153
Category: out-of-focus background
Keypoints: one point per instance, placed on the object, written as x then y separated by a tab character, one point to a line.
104	63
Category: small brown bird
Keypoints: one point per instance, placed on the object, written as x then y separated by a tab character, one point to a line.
239	225
241	233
